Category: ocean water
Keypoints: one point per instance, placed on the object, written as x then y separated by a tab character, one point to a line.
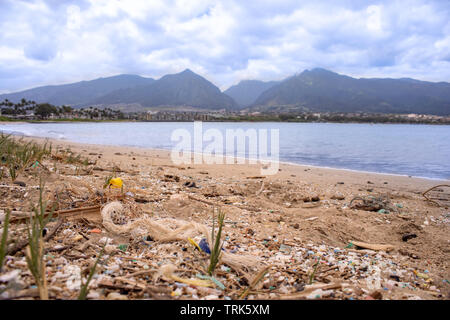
415	150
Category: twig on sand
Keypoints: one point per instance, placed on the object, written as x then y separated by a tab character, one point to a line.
261	189
255	281
204	201
66	213
24	243
376	247
425	196
309	289
215	204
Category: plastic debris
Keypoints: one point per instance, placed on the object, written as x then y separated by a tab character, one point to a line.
116	183
285	249
204	246
408	236
192	241
157	236
216	282
168	272
225	268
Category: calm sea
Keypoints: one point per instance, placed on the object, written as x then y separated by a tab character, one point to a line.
416	150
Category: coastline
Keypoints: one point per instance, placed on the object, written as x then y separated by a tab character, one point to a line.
228	120
288	163
289	168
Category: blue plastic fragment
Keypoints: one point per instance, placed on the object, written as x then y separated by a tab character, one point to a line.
204	246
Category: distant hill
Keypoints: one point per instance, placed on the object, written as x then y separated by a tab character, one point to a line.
182	89
323	90
246	91
312	90
79	93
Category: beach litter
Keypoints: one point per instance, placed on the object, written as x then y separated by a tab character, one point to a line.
370	246
408	236
381	204
160	248
115	183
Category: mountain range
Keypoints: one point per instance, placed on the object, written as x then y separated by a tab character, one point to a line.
79	93
311	90
323	90
182	89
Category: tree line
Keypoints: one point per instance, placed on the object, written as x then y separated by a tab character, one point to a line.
46	110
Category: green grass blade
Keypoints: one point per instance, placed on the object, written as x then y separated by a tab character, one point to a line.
3	244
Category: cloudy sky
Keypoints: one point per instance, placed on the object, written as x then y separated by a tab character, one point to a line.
60	41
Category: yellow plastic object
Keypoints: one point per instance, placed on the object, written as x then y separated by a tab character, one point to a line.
195	244
421	275
116	183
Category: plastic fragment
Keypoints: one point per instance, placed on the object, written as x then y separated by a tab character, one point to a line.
204	246
217	282
116	183
192	241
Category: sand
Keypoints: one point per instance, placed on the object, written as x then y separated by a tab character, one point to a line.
264	212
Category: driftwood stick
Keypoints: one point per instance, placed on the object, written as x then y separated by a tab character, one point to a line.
376	247
255	281
54	230
58	249
205	201
221	204
309	289
142	272
22	244
67	212
261	189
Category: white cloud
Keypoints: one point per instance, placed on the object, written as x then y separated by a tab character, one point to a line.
59	41
374	19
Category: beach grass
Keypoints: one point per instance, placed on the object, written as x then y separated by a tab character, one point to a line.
35	249
4	239
217	249
84	290
18	155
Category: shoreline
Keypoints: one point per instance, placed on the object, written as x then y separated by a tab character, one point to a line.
221	121
246	163
315	174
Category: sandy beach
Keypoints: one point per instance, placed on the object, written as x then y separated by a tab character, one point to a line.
287	222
